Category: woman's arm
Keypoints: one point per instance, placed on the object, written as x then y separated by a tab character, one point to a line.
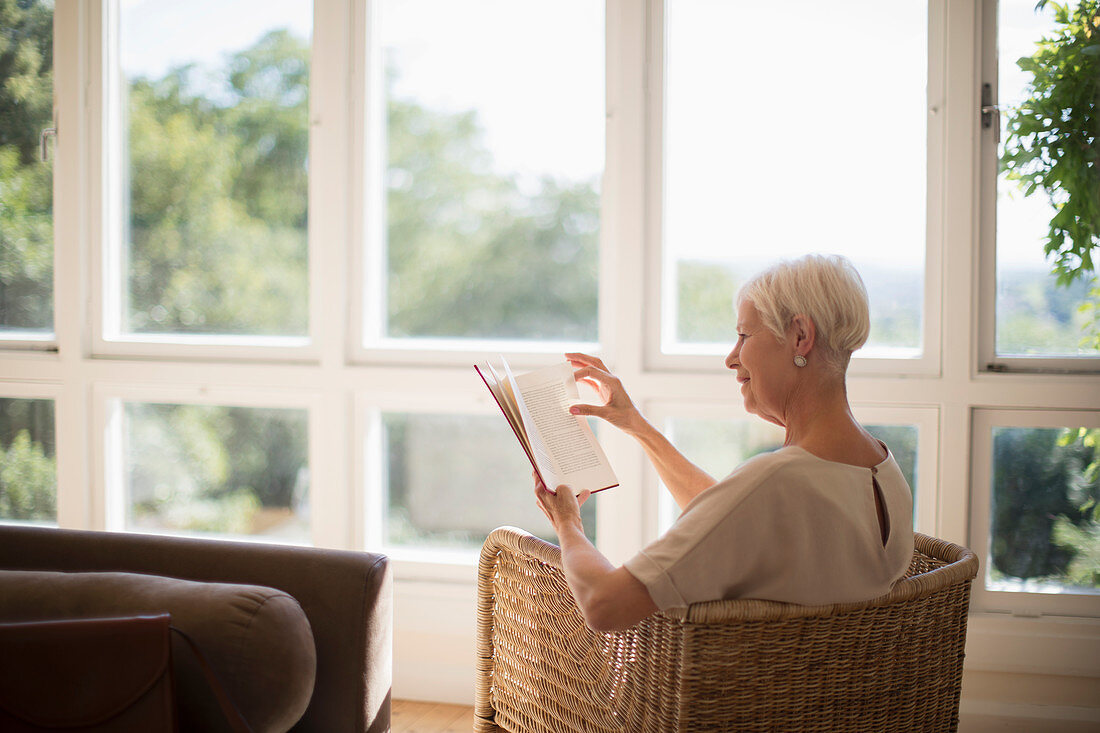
609	598
683	478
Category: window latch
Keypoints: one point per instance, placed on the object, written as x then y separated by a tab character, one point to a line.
991	113
44	145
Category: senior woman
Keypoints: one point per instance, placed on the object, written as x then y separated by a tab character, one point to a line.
824	519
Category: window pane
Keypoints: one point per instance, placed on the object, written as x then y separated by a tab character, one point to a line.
452	479
28	461
26	183
494	151
216	103
224	470
720	445
1045	535
773	150
1035	316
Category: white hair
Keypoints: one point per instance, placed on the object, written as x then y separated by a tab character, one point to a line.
825	288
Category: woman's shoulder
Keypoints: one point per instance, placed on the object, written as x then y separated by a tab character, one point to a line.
751	474
786	458
759	467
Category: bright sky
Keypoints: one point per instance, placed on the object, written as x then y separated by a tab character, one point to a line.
841	94
795	127
158	35
1022	223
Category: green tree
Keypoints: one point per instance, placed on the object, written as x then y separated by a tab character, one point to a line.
266	107
1080	532
26	196
706	311
28	466
28	481
1042	479
211	468
468	255
1053	146
26	74
218	195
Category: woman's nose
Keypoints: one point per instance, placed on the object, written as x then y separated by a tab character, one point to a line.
731	359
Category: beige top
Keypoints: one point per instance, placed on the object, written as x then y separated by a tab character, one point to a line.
785	526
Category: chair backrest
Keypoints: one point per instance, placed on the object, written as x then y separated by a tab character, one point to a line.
890	664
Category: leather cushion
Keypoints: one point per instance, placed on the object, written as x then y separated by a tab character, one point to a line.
119	677
257	639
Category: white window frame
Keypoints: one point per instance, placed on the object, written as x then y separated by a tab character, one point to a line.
371	470
989	359
1017	603
368	262
110	498
327	199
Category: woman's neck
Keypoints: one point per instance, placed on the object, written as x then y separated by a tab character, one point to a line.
821	422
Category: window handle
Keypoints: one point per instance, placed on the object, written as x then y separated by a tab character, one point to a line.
991	113
44	145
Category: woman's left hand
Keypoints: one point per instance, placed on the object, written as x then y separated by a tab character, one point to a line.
562	508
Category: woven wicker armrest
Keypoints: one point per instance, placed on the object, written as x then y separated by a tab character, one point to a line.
890	664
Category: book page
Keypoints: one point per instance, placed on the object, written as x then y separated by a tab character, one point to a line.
562	443
537	450
508	403
503	395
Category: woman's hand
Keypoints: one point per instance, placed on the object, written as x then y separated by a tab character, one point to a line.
560	506
617	407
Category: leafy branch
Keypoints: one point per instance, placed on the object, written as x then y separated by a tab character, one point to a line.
1052	140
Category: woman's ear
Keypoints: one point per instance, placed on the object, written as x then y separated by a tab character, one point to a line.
803	333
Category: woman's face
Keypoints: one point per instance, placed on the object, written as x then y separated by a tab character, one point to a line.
764	366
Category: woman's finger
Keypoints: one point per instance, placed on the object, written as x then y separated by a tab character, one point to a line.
576	358
595	376
584	409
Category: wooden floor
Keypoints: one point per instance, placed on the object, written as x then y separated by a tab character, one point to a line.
430	717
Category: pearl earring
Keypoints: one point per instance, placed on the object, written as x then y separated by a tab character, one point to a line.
799	360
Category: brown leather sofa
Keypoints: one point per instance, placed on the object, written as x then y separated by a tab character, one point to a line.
346	597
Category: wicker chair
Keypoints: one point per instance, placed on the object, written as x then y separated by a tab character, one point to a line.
892	664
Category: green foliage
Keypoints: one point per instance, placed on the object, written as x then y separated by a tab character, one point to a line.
1046	486
218	195
1081	533
28	481
26	74
213	469
1052	143
1090	312
706	312
26	196
1037	316
469	255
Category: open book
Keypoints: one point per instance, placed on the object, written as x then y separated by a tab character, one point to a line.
560	446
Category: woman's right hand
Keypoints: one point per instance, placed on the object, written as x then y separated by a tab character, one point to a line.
617	407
